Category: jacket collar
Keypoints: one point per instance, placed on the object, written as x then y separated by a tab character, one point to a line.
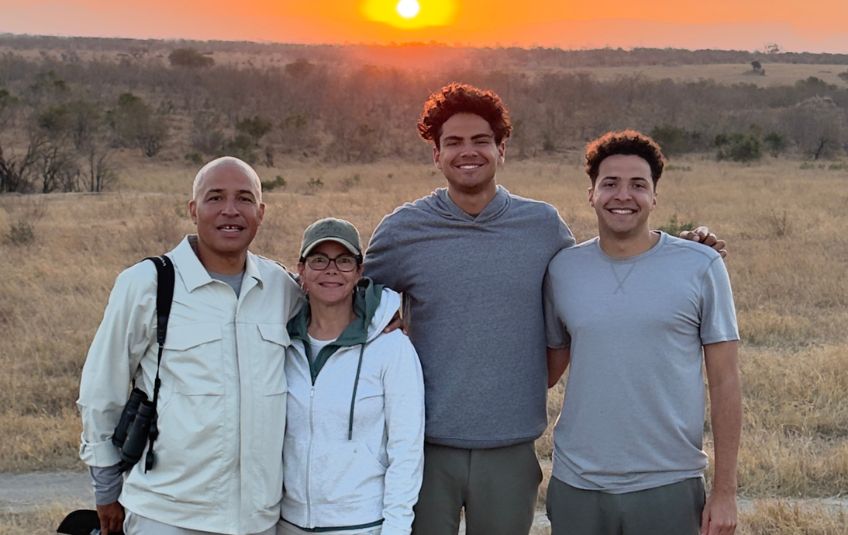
195	275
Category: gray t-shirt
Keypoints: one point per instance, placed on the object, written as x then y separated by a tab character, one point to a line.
633	415
473	292
234	281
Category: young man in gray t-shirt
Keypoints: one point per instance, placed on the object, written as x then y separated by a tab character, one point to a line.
632	311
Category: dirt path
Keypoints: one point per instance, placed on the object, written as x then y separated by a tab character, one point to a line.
29	491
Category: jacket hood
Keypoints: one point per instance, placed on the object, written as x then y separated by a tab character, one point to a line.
441	204
374	307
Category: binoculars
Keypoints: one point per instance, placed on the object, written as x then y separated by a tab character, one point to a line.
137	423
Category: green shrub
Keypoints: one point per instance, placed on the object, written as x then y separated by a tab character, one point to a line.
674	226
348	183
189	58
676	140
278	182
21	233
738	147
775	143
314	185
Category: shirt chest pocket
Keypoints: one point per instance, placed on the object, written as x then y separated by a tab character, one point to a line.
193	355
271	357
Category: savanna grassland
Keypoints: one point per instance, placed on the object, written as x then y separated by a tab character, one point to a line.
788	238
331	129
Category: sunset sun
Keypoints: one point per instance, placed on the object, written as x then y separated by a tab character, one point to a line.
408	9
410	14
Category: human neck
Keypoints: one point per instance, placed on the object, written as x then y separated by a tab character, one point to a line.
328	320
221	264
473	202
621	247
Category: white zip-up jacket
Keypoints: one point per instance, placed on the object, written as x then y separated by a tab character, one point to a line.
354	443
222	403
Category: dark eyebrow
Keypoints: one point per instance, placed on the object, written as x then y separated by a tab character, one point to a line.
480	136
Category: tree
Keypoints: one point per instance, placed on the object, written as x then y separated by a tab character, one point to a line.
206	134
299	68
816	126
189	58
98	170
254	127
135	124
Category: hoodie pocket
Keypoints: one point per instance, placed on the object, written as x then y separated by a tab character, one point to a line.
345	472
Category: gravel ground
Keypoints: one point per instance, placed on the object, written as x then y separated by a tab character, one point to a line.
29	491
24	492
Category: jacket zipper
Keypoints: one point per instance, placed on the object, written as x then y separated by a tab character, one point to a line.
309	460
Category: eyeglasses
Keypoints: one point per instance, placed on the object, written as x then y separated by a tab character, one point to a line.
343	262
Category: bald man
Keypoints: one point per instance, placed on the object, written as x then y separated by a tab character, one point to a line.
221	404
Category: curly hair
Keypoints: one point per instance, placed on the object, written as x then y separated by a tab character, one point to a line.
624	142
463	98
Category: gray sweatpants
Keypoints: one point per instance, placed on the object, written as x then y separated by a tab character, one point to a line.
497	488
674	508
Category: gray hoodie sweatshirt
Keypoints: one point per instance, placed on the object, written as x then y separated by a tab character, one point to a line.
473	290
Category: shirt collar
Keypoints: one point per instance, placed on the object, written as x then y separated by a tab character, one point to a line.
195	275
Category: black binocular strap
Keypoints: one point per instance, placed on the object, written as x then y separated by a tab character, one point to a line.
164	297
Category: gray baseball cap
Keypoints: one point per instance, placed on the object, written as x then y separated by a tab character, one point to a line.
331	229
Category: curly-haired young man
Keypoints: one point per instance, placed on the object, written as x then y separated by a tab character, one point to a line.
636	313
470	260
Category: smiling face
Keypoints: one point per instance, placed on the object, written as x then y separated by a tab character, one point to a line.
623	197
330	286
227	212
468	155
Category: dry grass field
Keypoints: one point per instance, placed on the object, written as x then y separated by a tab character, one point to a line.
776	74
785	223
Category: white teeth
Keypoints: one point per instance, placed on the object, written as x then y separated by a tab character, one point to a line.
622	211
469	166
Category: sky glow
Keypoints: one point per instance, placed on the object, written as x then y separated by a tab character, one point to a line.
815	25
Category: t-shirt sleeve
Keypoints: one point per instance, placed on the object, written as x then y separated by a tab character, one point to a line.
718	313
381	262
555	331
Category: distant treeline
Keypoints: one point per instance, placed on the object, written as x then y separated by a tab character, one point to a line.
492	57
63	118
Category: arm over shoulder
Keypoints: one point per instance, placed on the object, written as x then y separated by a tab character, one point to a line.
381	261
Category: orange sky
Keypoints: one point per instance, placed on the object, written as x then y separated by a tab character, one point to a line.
814	25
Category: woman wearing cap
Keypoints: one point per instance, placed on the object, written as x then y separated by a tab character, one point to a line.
353	450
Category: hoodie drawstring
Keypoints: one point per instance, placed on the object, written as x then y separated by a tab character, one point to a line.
353	397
